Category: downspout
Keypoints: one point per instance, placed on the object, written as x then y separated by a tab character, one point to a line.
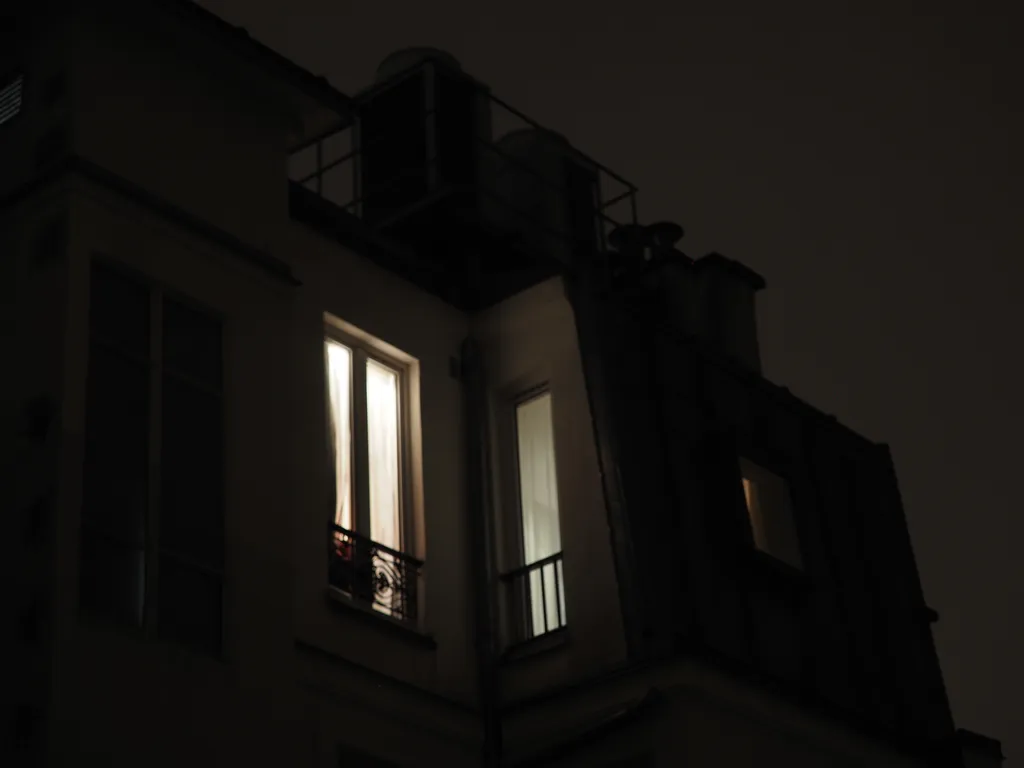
480	511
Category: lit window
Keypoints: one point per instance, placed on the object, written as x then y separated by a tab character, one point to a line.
538	585
770	511
367	395
10	97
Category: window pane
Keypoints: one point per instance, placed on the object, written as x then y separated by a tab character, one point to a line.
111	579
546	599
753	497
339	391
119	309
191	472
189	606
116	461
382	416
538	488
192	343
538	497
771	513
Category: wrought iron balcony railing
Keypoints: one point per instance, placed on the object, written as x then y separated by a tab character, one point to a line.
373	575
534	598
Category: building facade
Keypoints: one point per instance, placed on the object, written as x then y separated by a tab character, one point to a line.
377	431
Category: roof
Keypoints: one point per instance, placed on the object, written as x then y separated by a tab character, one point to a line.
239	40
979	743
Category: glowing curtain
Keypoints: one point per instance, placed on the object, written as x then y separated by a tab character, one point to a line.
339	386
382	433
538	493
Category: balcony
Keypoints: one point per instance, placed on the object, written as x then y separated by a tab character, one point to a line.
434	162
373	576
533	598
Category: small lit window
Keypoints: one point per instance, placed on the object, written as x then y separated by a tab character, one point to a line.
535	589
10	97
770	510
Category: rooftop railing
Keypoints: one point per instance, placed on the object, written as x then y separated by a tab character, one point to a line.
333	167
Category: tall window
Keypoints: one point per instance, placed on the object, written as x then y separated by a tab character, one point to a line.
366	435
152	520
769	508
538	504
366	406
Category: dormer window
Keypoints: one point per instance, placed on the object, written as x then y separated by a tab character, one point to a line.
10	97
770	510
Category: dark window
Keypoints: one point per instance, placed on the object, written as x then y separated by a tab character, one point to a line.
190	604
192	343
10	97
141	385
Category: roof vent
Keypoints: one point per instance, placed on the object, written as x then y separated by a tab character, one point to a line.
10	98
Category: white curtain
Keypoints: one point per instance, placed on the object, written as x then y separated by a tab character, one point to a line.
538	493
339	387
382	433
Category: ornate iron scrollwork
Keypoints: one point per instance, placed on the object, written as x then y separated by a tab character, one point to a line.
373	574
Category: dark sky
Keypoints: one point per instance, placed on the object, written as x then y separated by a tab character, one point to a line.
869	166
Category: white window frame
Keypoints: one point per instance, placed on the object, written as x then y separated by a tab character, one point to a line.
511	528
364	348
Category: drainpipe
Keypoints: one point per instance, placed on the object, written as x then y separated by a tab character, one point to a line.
479	524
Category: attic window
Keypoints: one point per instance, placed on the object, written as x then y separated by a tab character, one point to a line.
10	97
770	510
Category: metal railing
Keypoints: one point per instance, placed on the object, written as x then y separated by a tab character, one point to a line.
534	599
331	166
374	575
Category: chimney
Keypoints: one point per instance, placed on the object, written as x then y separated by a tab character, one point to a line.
723	296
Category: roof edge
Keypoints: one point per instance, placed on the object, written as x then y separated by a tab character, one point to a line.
316	86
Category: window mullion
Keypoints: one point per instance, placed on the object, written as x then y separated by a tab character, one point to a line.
152	531
361	440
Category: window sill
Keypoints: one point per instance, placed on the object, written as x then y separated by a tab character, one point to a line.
148	641
536	646
339	601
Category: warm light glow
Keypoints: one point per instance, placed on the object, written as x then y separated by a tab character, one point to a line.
771	513
538	495
383	432
339	385
750	492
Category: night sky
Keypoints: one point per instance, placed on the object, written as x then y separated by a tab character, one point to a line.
868	166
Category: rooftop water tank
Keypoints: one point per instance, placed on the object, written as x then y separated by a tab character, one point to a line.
420	132
544	191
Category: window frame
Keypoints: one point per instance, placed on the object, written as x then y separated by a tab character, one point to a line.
510	494
364	348
152	547
759	464
517	618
